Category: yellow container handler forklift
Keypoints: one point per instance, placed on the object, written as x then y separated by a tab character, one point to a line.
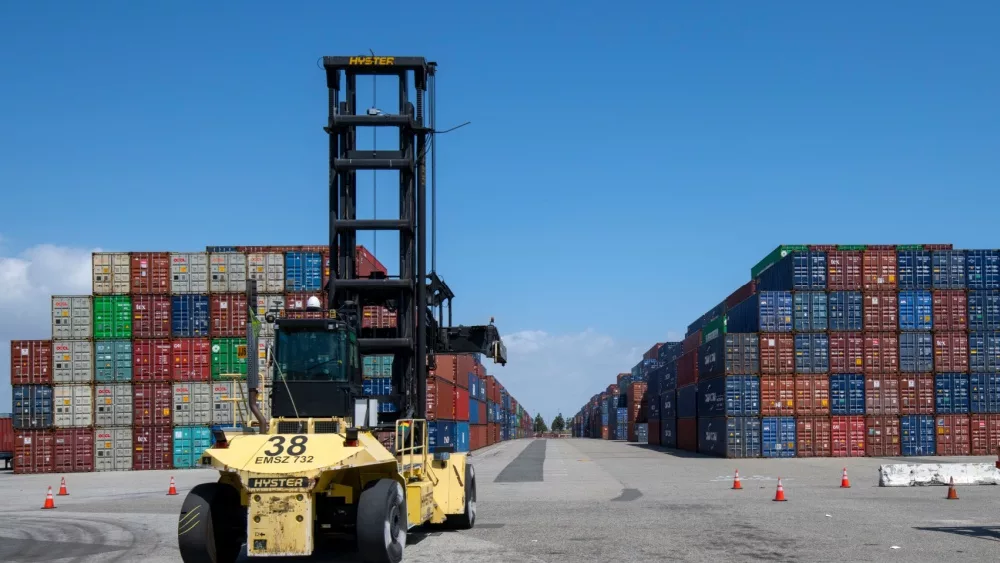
318	466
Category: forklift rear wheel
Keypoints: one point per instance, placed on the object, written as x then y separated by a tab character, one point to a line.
382	522
212	524
467	519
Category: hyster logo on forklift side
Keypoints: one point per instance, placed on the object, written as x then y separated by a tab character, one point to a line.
277	483
372	61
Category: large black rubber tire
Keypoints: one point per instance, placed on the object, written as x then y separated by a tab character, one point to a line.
467	519
212	525
382	522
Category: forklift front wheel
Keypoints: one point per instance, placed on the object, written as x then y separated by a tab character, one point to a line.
382	523
467	519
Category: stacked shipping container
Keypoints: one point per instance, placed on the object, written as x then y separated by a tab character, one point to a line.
842	350
136	375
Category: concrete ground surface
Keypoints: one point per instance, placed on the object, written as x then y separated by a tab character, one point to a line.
568	500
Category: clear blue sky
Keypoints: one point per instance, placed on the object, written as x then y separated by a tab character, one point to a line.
626	163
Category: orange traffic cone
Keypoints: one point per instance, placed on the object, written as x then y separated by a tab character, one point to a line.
49	502
780	495
844	482
173	487
62	488
736	482
952	493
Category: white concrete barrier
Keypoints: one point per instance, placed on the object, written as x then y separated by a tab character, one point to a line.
923	474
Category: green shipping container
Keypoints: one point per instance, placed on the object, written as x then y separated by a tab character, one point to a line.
909	247
226	358
377	365
852	247
774	256
715	328
112	317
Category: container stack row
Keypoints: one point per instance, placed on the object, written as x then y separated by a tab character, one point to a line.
831	350
137	374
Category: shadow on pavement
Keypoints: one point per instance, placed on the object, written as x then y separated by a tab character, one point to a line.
991	533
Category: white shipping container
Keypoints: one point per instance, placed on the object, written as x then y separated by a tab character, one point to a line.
192	404
73	406
112	404
269	271
113	449
112	275
72	361
222	410
267	303
188	272
72	317
228	272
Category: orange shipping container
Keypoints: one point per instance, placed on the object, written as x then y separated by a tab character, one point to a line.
812	395
985	431
150	273
916	394
953	434
882	436
812	435
847	352
777	353
881	311
440	399
881	352
881	394
777	395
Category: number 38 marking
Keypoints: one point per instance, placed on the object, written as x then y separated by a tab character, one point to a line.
297	446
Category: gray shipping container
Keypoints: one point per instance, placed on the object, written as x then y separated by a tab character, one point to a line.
112	274
235	412
188	272
73	406
227	272
266	303
72	361
192	404
72	317
112	404
113	449
269	271
642	432
112	361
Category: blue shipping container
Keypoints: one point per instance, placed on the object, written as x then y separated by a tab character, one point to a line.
189	316
461	437
915	310
777	436
190	442
847	394
375	386
982	269
984	352
668	404
916	434
810	311
474	411
984	310
984	393
687	401
846	311
303	271
951	393
668	352
735	395
668	432
32	407
913	269
766	311
701	321
948	269
112	361
916	352
799	270
441	433
812	353
731	437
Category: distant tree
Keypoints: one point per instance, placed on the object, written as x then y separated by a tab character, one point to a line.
540	424
558	423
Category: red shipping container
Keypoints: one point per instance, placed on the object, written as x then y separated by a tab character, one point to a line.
843	270
882	394
366	263
951	352
822	247
191	358
847	436
462	405
687	369
847	352
445	367
881	311
916	394
950	310
813	436
882	436
777	354
881	352
6	434
152	360
74	450
652	353
653	433
636	392
297	301
150	273
953	434
777	395
34	451
812	395
690	343
440	399
30	362
228	314
985	431
377	317
151	404
493	389
151	316
604	433
464	365
612	389
482	410
152	447
879	268
740	295
687	434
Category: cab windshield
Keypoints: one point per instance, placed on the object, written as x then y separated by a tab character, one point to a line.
311	355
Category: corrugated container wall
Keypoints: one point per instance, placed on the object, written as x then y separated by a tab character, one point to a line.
72	317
